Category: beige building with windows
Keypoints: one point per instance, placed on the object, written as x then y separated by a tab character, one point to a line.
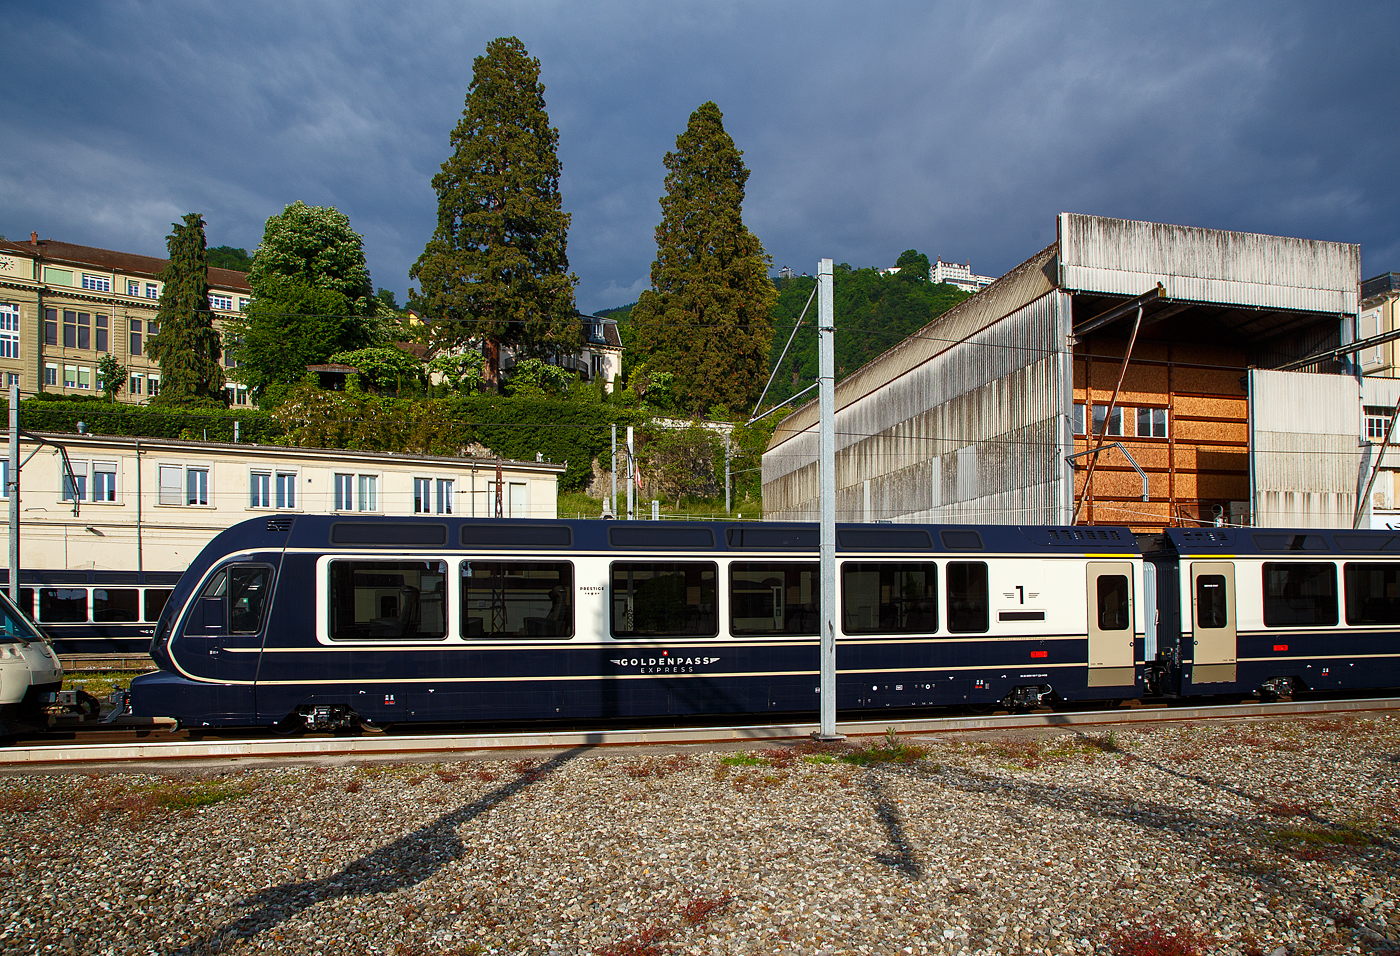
1380	314
64	306
142	504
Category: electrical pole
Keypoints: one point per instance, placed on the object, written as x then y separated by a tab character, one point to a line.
612	502
631	476
727	501
12	489
826	473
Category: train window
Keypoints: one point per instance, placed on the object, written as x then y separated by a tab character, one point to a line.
774	539
248	588
653	599
1300	595
670	536
889	598
1113	602
63	605
113	605
505	600
387	600
961	540
1290	542
504	534
26	601
1212	601
967	597
1373	593
385	533
155	602
774	598
884	539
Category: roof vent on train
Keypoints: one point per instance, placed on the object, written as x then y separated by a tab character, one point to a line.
1205	537
1081	535
281	523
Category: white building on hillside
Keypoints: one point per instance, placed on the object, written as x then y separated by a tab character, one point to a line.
960	275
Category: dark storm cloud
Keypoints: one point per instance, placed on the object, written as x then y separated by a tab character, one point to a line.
957	129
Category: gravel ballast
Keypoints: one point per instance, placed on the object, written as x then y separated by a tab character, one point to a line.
1260	837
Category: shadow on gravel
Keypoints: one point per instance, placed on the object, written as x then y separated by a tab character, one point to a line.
406	862
902	858
1202	831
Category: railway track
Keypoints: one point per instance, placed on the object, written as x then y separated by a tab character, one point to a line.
157	747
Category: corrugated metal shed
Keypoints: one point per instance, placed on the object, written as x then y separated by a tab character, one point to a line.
1305	449
961	422
1124	257
968	419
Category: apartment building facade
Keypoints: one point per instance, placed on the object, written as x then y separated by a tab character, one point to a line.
148	504
64	306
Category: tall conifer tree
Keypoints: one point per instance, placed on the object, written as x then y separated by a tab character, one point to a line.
496	270
187	346
706	316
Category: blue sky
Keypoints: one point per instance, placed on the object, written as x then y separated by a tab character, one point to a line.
958	129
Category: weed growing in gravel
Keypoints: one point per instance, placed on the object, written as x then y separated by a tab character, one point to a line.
818	758
354	786
653	940
195	794
743	759
1316	836
1153	940
448	776
22	800
137	802
890	749
657	766
1021	753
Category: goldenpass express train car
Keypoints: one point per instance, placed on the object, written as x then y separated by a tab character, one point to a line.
95	612
326	622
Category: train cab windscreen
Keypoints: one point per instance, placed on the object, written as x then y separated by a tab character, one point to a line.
13	627
511	600
388	600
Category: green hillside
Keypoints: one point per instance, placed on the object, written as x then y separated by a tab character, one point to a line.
873	312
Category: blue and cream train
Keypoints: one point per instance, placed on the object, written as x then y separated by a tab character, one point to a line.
330	622
95	612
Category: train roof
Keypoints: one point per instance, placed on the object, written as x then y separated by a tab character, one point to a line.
346	532
1266	542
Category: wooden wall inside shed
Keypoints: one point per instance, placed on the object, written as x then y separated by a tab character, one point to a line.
1203	461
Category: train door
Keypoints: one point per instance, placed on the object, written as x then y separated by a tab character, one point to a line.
1213	622
1111	632
223	634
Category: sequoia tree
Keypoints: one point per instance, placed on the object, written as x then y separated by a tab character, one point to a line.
187	346
312	297
706	316
495	270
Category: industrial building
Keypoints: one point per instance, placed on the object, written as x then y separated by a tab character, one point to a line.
1239	400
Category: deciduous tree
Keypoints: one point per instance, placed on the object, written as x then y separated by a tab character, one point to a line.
312	297
706	316
496	268
187	346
